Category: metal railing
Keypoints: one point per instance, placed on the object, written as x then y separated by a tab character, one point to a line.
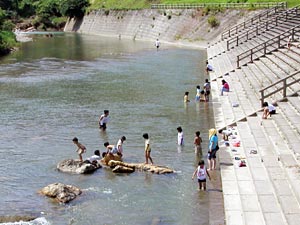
263	26
216	5
284	83
241	27
267	47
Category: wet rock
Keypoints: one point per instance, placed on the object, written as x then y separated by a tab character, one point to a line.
75	166
142	166
109	157
12	219
61	192
122	169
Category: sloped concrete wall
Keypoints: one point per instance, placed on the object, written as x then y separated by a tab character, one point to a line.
189	25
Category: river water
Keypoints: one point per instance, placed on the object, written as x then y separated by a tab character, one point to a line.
54	89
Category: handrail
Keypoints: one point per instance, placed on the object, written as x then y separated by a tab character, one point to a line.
261	27
284	83
267	47
222	5
241	26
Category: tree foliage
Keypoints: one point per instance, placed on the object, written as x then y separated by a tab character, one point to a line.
74	8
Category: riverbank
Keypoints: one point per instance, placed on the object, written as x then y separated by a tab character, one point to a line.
187	27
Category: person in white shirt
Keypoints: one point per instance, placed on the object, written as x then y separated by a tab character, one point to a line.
269	110
157	44
103	120
201	172
180	140
94	158
147	148
120	145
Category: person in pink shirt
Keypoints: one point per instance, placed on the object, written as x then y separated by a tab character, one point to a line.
225	87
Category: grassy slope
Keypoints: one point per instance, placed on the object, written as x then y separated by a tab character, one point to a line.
139	4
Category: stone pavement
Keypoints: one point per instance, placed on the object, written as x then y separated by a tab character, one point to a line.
267	189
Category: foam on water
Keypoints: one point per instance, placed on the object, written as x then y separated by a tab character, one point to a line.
37	221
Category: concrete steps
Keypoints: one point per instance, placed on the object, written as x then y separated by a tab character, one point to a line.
260	192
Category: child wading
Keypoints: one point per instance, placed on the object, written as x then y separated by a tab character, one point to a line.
201	172
197	143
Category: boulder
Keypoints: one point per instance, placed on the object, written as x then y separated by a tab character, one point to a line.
61	192
122	169
141	166
75	166
109	157
16	218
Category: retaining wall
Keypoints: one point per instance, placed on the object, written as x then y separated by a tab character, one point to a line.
188	25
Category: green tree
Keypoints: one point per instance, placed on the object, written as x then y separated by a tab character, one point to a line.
74	8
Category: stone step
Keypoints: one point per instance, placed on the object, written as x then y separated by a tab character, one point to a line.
278	175
286	131
267	200
291	115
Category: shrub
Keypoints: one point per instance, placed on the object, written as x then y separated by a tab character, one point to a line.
59	22
206	11
8	25
106	12
213	21
7	41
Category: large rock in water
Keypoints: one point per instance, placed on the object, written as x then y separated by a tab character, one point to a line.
61	192
130	167
109	157
75	166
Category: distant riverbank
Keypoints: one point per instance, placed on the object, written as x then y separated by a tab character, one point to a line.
187	27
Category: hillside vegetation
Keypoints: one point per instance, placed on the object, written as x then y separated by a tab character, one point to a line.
39	14
140	4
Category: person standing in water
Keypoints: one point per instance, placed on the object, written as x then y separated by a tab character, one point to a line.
157	44
207	88
147	148
201	173
197	143
180	140
212	149
186	97
103	120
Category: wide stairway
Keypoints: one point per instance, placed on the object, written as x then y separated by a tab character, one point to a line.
258	63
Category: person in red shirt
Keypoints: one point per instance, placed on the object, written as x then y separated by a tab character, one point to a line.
225	87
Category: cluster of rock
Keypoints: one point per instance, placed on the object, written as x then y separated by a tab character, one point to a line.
12	219
75	166
65	193
61	192
122	167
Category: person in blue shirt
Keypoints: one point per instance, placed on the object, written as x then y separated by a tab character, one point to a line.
212	149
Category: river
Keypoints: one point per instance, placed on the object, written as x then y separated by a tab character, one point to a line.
54	89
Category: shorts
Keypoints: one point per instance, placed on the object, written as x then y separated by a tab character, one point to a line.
148	150
212	154
103	126
198	149
207	93
201	180
80	151
272	112
114	151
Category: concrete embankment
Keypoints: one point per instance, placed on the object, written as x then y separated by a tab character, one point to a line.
179	26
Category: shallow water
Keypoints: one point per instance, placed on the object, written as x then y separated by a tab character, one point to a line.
55	88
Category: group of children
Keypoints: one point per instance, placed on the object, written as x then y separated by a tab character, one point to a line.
201	171
201	95
111	149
